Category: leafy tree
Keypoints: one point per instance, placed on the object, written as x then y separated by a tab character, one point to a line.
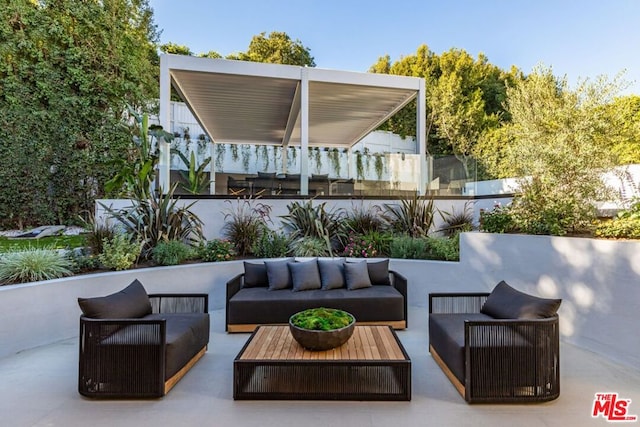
276	48
175	49
559	144
464	98
68	69
624	112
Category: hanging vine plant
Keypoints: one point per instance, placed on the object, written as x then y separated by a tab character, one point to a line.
379	165
334	157
317	156
293	154
367	160
246	156
264	153
234	152
359	165
221	150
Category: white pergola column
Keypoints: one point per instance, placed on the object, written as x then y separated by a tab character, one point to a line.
421	136
164	115
304	132
212	167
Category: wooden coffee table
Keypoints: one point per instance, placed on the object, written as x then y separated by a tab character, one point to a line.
372	365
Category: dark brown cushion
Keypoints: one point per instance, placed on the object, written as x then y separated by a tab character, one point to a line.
505	302
379	272
356	275
255	275
305	276
131	302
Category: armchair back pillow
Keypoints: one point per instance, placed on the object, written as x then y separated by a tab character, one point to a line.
505	302
131	302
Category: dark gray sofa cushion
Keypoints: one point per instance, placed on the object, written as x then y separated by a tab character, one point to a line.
356	275
258	305
305	275
331	273
255	274
131	302
278	274
505	302
379	272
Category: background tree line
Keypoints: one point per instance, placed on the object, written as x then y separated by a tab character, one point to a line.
69	70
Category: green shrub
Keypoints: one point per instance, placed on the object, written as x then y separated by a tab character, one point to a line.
367	245
81	260
498	220
33	265
216	250
119	252
271	244
444	248
172	252
619	228
245	223
309	246
408	247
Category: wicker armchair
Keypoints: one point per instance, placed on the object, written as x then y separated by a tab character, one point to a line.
493	360
143	356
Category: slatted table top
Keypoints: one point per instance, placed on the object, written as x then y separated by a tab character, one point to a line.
367	343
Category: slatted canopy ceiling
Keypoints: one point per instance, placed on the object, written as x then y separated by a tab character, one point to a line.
255	103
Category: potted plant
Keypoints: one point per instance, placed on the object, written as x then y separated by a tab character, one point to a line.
321	328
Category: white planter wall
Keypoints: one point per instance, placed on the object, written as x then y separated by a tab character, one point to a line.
598	280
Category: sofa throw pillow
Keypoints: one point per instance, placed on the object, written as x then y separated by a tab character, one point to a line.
278	274
255	275
305	275
356	275
379	272
131	302
331	273
505	302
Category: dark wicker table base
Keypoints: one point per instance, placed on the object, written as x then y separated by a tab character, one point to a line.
322	379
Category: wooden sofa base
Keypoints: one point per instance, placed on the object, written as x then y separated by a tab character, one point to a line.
454	380
395	324
168	384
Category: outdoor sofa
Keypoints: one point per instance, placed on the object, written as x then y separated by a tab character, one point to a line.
271	291
497	347
134	345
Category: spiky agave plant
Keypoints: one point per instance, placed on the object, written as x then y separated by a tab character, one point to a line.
305	220
412	216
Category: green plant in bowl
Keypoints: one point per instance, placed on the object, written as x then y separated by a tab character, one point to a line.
322	319
321	328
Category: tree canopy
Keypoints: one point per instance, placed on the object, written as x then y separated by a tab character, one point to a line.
67	72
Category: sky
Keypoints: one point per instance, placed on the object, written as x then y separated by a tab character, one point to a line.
577	38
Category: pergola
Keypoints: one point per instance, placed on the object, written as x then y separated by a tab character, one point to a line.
256	103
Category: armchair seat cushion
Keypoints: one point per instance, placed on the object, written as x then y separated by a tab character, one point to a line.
446	335
187	334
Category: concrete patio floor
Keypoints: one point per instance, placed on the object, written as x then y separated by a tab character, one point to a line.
39	388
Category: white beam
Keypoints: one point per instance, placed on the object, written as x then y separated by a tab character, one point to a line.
421	136
164	116
304	132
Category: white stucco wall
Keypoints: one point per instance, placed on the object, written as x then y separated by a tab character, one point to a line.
598	280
